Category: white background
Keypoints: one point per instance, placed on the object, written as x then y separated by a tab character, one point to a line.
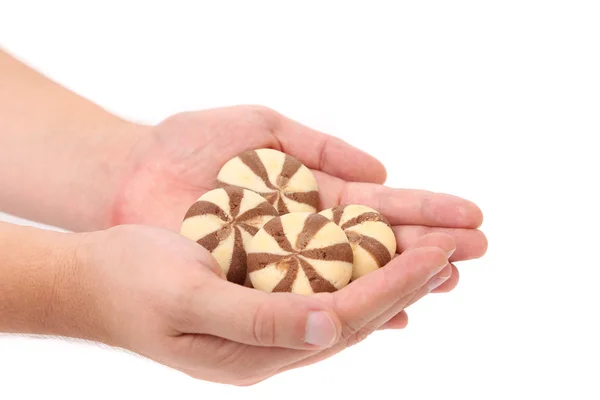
498	102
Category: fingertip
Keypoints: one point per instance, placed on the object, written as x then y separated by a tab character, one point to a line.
311	322
452	211
484	244
345	161
321	330
473	214
379	171
450	284
398	321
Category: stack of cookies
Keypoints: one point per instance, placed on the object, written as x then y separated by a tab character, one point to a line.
261	225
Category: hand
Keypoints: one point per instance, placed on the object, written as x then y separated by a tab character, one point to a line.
175	162
160	295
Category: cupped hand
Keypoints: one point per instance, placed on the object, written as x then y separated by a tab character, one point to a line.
158	294
175	162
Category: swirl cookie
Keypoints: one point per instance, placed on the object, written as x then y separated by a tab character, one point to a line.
302	253
223	221
372	239
281	179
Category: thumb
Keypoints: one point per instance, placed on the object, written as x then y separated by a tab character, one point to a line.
237	313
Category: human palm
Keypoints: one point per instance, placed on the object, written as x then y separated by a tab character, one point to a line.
179	159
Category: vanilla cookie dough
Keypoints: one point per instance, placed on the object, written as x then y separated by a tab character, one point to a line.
372	239
280	178
223	221
302	253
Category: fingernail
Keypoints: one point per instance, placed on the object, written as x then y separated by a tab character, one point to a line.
320	329
451	252
436	281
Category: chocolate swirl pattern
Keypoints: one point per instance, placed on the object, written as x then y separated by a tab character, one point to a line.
372	239
302	253
281	179
223	221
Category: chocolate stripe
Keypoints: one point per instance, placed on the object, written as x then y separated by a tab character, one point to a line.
236	195
312	225
364	217
252	160
260	210
310	198
205	207
338	211
237	267
289	169
336	252
212	240
286	283
258	261
317	282
219	184
281	207
249	228
224	185
275	229
271	197
374	247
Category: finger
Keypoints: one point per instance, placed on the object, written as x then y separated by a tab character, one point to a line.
398	321
450	283
470	243
436	283
357	329
249	316
401	206
436	239
447	279
439	240
327	153
360	323
367	298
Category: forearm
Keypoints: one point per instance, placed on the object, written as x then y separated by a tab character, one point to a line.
60	155
42	289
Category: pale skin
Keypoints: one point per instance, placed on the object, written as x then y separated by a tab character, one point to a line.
124	276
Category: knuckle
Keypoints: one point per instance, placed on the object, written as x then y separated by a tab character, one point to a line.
260	110
350	330
264	116
183	302
351	326
264	325
359	336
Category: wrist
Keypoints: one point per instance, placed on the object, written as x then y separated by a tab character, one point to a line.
41	286
72	305
64	307
105	160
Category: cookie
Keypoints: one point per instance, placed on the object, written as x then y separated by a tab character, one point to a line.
280	178
223	221
371	236
302	253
